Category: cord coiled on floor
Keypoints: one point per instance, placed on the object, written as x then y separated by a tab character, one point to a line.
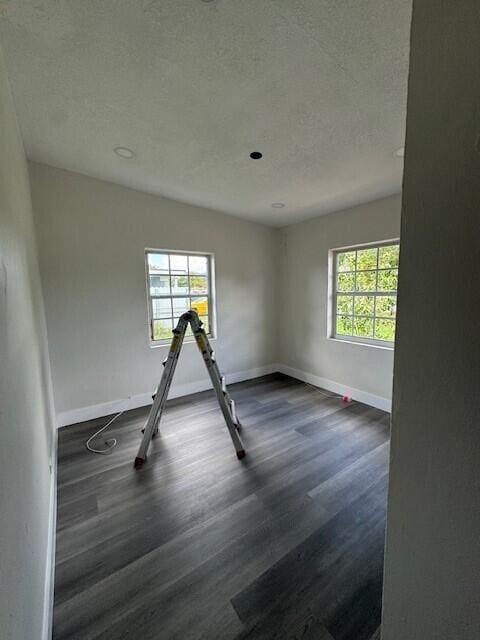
110	443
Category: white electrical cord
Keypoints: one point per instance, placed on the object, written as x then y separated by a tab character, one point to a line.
311	386
331	396
110	443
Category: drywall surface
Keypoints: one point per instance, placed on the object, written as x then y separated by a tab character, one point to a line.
26	410
304	345
92	237
432	568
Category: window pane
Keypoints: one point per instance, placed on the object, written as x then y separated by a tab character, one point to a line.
385	329
346	261
178	264
198	284
364	305
387	280
367	259
200	305
172	279
366	281
198	265
179	284
363	327
180	305
388	257
161	308
344	326
345	281
158	263
344	305
206	324
159	285
162	329
386	306
360	274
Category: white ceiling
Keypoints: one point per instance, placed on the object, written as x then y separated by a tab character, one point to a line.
318	86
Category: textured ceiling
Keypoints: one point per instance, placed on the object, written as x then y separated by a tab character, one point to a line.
318	86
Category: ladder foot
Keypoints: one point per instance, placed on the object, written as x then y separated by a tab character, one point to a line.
139	462
241	454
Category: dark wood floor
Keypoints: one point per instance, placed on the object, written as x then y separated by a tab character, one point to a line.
286	544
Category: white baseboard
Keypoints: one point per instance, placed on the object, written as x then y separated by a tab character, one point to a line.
143	399
50	566
357	394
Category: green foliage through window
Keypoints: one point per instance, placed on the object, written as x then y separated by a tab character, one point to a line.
366	281
346	261
346	282
344	325
367	259
363	327
364	305
345	305
366	292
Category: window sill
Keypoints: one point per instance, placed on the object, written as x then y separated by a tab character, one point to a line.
167	343
362	344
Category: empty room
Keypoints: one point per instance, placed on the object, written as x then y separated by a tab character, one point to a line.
239	355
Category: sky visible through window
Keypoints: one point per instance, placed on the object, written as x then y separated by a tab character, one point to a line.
176	283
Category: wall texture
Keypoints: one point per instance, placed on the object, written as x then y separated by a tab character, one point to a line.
92	236
26	409
303	346
432	569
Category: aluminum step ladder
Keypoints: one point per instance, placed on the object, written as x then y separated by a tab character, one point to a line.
227	405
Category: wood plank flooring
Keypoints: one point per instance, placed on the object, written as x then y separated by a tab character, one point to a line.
196	545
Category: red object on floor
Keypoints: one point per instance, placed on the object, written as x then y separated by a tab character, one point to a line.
347	399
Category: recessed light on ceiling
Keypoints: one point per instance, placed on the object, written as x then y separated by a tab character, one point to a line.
124	152
255	155
278	205
399	153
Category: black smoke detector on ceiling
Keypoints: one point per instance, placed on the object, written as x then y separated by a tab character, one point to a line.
255	155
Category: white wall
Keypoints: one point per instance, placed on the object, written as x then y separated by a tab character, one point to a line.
432	563
26	410
92	236
304	348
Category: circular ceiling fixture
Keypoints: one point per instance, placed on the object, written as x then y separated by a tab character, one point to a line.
256	155
124	152
399	153
278	205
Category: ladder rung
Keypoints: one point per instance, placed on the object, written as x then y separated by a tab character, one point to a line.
160	397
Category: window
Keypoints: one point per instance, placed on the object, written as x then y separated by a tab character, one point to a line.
365	293
177	282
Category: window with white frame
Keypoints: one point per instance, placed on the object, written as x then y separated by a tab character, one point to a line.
177	282
365	293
